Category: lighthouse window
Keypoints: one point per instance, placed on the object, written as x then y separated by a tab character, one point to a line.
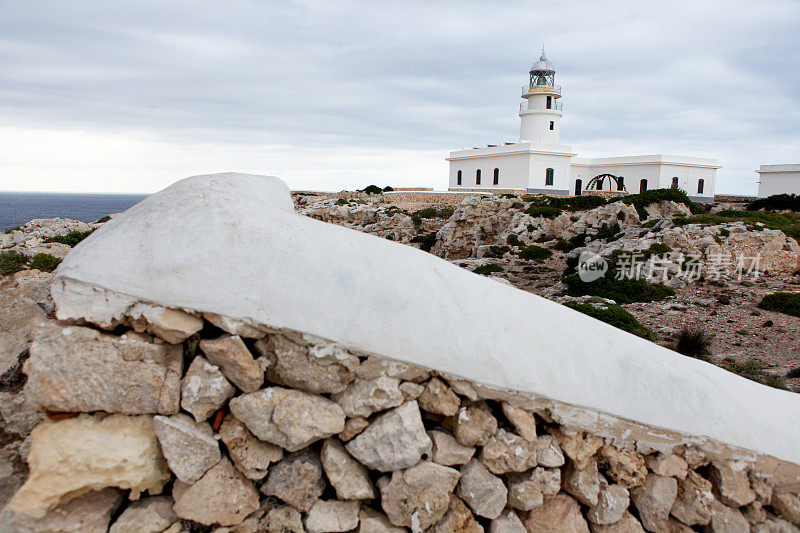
496	176
675	182
552	125
478	177
549	102
548	176
700	184
458	178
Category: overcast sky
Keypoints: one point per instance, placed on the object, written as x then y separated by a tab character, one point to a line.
130	96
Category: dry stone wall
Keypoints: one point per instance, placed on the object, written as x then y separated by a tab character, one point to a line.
168	420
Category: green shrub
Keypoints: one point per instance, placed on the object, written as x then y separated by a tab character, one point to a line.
575	242
615	316
650	223
432	212
694	343
342	201
71	239
789	223
577	203
44	262
755	371
533	252
388	188
658	249
643	199
372	189
488	268
11	262
426	242
776	202
543	211
498	251
624	291
102	220
508	195
787	303
10	230
513	240
724	232
609	232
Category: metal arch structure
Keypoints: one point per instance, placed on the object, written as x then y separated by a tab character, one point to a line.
596	183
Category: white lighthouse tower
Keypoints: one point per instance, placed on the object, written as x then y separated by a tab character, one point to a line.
541	114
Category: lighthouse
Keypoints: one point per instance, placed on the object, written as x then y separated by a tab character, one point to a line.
541	113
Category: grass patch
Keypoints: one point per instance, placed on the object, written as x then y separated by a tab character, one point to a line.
44	262
426	242
10	230
787	303
694	343
624	291
755	371
789	223
615	316
652	196
776	202
535	253
11	262
70	239
545	211
102	220
488	269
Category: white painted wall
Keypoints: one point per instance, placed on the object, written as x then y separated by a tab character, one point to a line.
514	170
778	179
536	118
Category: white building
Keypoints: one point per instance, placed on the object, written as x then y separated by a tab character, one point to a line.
538	163
777	179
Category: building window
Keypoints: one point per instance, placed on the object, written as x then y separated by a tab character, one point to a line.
642	186
552	125
548	176
620	183
458	178
496	176
478	177
700	185
549	102
675	182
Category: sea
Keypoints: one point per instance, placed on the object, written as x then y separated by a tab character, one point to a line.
17	208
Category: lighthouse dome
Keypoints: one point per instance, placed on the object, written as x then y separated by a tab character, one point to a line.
543	66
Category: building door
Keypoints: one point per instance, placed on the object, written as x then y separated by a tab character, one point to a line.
643	185
578	185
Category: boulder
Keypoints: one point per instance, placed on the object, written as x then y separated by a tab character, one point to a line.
447	451
527	491
332	516
732	486
349	477
204	389
394	441
474	425
506	452
612	503
457	518
654	500
234	360
189	446
485	493
365	397
89	513
438	398
297	480
523	421
138	376
692	505
584	483
418	496
558	514
288	418
71	457
150	515
222	496
250	456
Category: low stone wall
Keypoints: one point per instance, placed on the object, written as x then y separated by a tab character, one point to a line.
429	197
490	191
193	418
605	194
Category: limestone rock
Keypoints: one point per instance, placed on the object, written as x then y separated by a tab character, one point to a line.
732	485
411	391
372	521
447	451
548	452
250	456
138	377
626	524
485	493
774	525
558	514
457	518
293	366
626	468
365	397
523	421
332	516
374	367
507	522
234	360
419	496
188	446
297	480
670	465
506	452
288	418
612	503
583	484
754	513
760	486
204	389
527	491
88	513
654	500
348	477
73	456
474	425
18	320
172	325
693	502
394	441
222	496
151	515
579	447
283	519
353	427
236	327
439	399
727	520
787	506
